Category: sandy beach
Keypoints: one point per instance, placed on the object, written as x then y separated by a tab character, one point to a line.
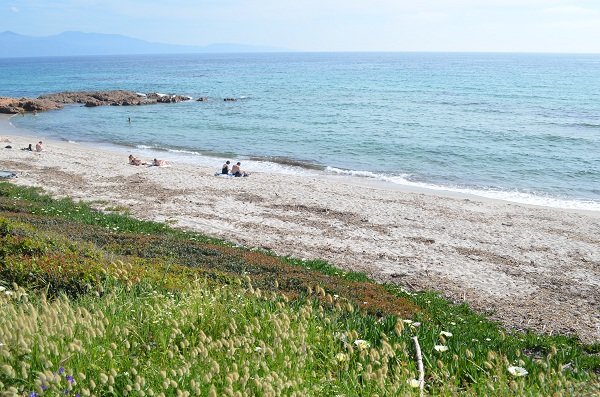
528	267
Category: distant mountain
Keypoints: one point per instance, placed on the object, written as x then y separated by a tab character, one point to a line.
78	43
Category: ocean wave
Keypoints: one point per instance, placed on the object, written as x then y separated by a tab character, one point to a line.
577	125
287	161
514	196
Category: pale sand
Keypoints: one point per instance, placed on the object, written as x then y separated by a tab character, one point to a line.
529	267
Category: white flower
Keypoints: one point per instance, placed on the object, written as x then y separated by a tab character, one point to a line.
2	289
452	323
413	382
488	339
362	344
407	321
341	357
440	348
517	371
417	324
258	349
446	334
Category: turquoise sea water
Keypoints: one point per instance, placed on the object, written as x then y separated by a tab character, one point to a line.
521	127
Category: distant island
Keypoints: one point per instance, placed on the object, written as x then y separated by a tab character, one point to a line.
13	45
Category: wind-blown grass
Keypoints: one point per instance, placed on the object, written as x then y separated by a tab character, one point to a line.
108	305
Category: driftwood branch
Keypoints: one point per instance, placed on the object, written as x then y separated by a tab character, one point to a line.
419	365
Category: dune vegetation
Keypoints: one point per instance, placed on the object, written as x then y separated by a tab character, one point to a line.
94	302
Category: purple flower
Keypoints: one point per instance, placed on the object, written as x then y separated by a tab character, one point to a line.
61	370
44	387
66	392
70	378
33	394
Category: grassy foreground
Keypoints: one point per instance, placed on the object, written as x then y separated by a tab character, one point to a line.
101	304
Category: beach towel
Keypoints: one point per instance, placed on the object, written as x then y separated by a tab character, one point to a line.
8	174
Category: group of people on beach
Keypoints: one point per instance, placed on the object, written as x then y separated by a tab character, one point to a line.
227	169
38	147
156	162
236	169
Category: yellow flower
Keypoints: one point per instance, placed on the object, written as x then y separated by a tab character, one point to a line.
341	357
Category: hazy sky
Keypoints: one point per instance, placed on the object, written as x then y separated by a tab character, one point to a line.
325	25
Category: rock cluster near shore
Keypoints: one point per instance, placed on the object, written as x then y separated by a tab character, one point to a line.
90	99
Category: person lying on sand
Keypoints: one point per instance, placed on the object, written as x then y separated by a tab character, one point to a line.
30	148
237	170
159	163
135	161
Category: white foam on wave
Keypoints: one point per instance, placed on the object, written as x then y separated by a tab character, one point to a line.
514	196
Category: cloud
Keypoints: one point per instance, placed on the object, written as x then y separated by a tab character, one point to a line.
14	9
569	10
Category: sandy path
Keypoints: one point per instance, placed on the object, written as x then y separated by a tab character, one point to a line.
528	267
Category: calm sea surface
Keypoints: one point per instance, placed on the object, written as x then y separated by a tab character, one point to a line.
520	127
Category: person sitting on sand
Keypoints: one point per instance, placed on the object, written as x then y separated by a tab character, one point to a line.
39	147
30	148
225	168
159	163
135	161
237	170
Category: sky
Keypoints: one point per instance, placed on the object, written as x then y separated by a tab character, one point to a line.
325	25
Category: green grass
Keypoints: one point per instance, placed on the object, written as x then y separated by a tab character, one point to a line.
134	307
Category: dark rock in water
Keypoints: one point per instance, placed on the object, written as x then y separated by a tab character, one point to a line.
88	99
202	99
230	99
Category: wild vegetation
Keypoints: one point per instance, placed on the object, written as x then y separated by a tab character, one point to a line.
97	303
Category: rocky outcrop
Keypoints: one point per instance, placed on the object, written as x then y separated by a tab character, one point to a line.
89	99
21	105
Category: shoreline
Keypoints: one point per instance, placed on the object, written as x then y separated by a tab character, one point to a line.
346	176
532	267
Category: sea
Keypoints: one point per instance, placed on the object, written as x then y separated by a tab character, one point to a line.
518	127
